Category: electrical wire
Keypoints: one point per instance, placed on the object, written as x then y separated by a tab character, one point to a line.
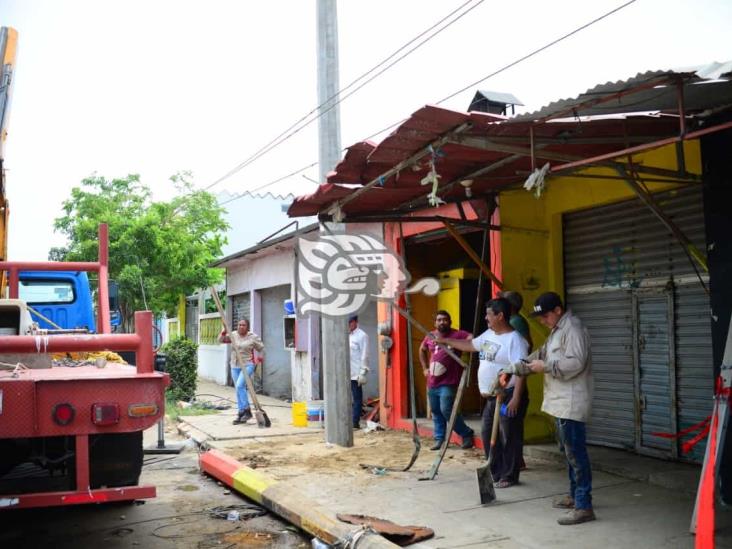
538	50
256	189
494	73
284	136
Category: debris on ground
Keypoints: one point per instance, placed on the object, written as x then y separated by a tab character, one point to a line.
401	535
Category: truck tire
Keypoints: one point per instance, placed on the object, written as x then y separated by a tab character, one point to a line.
115	459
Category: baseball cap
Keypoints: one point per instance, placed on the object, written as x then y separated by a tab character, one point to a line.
353	318
546	302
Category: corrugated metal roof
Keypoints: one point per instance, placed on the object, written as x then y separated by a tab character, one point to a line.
495	151
704	86
238	257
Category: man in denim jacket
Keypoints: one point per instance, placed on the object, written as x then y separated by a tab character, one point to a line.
565	361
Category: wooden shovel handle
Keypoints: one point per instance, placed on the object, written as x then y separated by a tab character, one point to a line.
247	379
496	414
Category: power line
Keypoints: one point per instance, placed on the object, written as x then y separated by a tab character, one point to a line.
494	73
237	197
538	50
284	136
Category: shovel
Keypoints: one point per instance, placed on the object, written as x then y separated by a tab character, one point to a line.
485	479
259	413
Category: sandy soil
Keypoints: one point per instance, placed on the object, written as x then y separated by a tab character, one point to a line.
287	457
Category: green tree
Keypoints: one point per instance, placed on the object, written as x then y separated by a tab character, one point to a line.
157	250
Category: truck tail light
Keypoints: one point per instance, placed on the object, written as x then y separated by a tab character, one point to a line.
63	413
142	410
105	413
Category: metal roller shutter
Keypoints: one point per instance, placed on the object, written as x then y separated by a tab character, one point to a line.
240	308
694	361
613	256
609	321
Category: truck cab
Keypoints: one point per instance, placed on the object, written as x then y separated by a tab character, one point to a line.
63	297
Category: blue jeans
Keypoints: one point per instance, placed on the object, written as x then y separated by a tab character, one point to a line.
240	384
357	394
572	440
441	401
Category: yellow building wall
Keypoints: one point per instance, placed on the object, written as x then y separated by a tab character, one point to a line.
531	243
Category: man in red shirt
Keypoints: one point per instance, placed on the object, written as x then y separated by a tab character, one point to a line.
443	376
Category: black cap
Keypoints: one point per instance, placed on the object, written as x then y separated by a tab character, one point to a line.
353	318
546	302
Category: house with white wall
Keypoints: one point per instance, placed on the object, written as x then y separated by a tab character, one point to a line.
259	280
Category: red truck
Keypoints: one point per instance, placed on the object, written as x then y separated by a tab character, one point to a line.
71	430
71	421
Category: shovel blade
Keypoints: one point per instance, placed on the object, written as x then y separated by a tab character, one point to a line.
485	484
262	418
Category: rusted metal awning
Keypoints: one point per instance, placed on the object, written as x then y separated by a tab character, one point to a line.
490	152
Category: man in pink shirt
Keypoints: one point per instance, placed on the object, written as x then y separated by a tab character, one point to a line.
443	376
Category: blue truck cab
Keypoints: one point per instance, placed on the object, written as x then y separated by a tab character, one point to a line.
64	297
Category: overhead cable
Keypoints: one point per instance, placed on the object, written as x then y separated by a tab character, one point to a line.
494	73
322	110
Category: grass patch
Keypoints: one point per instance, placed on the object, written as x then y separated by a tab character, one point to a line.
174	411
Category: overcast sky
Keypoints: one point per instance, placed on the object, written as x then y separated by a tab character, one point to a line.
155	86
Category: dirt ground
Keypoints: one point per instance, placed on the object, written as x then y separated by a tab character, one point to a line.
293	456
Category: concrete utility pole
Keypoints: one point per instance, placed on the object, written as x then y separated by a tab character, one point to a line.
329	125
335	347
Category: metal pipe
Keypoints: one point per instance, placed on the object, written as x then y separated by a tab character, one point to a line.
103	284
144	355
64	343
642	148
396	218
50	266
680	157
82	463
14	281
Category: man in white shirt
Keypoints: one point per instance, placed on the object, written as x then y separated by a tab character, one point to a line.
499	346
359	343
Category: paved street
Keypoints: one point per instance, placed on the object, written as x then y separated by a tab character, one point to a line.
182	516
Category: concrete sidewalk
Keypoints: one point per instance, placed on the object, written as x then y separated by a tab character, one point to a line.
639	502
218	427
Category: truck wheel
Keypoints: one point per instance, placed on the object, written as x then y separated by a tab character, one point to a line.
115	459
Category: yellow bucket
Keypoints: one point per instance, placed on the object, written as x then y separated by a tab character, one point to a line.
299	414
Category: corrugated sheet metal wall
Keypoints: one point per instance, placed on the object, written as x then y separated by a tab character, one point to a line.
610	252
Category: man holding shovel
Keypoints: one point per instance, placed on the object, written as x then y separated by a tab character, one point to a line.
564	359
499	346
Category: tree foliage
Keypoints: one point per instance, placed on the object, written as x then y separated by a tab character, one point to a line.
157	250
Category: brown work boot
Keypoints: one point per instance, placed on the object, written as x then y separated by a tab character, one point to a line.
564	502
577	516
